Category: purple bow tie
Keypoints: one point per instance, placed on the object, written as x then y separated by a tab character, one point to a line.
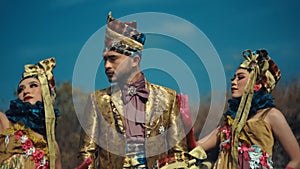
135	89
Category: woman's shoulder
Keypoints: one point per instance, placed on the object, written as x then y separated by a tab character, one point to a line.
3	117
274	113
275	117
2	114
4	122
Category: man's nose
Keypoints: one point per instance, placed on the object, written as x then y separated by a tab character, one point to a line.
107	64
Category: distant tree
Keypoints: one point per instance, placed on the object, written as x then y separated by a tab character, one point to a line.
68	128
287	99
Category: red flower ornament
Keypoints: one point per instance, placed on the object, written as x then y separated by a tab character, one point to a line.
27	144
257	87
38	155
18	135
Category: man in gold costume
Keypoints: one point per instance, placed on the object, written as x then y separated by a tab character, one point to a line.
133	123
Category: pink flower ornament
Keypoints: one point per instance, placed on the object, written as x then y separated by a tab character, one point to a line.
38	155
18	135
257	87
244	149
264	160
27	144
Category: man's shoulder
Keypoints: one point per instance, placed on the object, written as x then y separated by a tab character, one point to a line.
104	90
153	86
101	92
100	96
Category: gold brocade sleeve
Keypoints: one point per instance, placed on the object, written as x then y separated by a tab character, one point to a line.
89	133
176	132
166	133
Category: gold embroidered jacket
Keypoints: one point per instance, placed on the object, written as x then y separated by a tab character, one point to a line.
103	129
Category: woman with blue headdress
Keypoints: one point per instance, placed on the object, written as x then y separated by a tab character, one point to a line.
252	122
27	129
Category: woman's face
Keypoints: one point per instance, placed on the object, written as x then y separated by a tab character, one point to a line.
238	82
29	90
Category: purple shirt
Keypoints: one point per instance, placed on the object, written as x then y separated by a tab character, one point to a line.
134	97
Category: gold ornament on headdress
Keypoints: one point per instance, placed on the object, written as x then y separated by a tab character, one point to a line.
44	72
268	73
111	33
260	71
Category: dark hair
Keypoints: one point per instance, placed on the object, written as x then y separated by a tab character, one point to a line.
34	76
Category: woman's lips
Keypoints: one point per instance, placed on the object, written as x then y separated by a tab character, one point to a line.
27	98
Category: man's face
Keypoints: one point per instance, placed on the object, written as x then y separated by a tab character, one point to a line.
118	67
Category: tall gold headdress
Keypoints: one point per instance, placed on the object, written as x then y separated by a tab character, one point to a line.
123	37
43	70
262	71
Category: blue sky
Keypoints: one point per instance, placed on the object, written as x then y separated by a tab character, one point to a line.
34	30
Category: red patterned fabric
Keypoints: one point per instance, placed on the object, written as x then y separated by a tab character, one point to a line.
186	117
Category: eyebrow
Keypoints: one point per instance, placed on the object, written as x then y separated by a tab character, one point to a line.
109	56
112	55
241	73
20	86
31	82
